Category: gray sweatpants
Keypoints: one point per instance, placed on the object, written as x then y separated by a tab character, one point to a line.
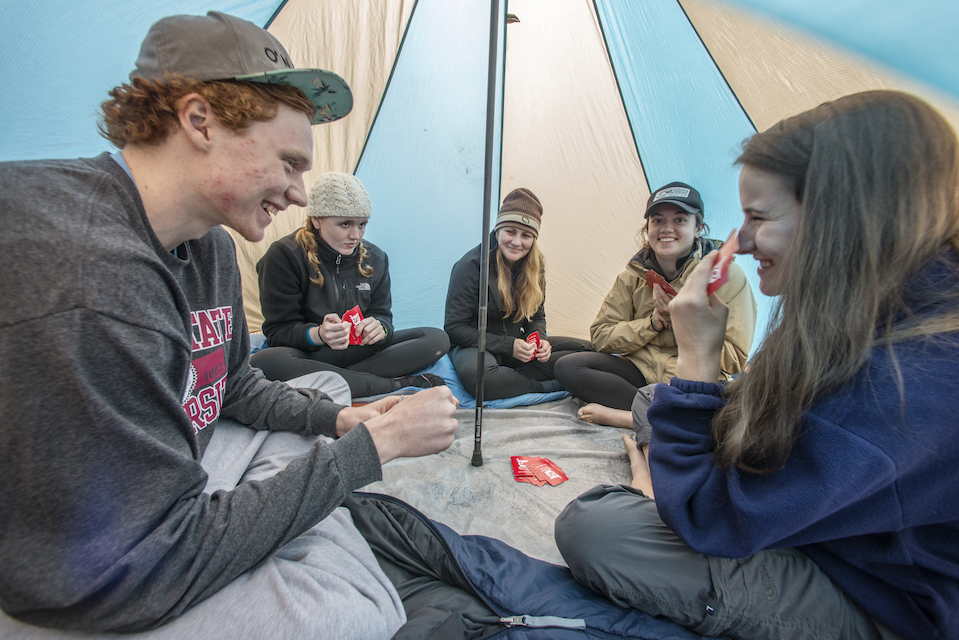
614	542
325	583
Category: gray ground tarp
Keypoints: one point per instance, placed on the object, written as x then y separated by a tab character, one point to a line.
487	500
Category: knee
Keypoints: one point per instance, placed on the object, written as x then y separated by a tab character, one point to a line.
565	368
595	523
641	425
464	363
273	362
575	531
438	340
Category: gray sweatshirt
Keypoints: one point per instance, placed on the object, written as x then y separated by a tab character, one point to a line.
116	359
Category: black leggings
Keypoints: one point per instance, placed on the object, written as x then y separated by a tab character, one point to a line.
369	370
609	380
521	377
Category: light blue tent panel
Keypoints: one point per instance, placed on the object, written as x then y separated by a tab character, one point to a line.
918	37
686	122
60	59
424	162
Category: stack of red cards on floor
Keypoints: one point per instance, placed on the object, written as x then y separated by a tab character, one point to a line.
537	470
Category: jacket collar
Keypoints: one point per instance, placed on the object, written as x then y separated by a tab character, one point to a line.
645	258
327	253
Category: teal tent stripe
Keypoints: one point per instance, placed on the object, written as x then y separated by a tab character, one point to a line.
423	164
389	81
916	37
686	122
61	59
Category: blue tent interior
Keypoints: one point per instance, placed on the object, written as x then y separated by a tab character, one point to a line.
421	149
598	101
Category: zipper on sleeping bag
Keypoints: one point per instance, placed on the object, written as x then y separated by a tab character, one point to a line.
541	621
506	619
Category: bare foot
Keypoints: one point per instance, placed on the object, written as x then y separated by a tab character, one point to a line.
600	414
638	466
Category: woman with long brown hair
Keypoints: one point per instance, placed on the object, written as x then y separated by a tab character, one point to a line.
517	292
814	496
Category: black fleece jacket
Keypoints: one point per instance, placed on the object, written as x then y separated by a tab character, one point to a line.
292	304
462	309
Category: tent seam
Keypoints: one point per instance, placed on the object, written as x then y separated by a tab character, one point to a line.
275	14
386	89
718	68
619	90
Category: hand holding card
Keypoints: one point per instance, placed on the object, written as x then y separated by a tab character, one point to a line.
653	277
354	316
533	339
720	273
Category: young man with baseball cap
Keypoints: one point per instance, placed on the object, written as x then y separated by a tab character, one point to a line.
124	343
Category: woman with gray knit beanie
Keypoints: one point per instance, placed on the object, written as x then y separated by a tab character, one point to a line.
517	289
312	279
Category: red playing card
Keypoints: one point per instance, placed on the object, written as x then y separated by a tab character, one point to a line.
655	278
354	316
519	466
533	339
548	471
522	472
720	273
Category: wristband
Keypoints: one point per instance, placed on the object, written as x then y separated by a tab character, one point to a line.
310	339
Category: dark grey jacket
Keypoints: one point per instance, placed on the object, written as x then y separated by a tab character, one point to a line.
116	358
462	309
292	304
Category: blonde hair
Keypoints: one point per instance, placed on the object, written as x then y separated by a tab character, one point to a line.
530	284
306	238
877	176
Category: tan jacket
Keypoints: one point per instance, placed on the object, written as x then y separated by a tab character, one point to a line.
624	323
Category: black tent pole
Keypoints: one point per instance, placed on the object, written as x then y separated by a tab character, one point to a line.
477	460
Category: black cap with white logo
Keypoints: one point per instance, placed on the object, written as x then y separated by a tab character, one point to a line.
678	193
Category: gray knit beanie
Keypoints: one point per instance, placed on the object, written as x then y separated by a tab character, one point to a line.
339	194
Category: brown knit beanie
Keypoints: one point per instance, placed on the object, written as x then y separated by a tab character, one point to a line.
339	194
522	208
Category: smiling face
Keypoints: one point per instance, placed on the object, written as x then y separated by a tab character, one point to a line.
343	234
671	232
771	212
258	171
514	242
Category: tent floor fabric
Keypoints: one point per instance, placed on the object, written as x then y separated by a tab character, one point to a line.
487	500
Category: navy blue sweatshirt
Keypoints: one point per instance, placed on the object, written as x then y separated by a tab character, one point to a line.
869	491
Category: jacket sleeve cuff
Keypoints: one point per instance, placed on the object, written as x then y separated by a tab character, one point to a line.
690	386
357	459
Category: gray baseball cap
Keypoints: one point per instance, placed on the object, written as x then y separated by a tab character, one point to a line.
218	46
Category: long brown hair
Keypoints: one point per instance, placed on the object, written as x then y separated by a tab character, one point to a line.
877	176
530	284
306	238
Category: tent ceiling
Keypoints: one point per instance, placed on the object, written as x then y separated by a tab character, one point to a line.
565	131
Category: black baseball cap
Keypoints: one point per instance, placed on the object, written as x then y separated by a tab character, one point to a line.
678	193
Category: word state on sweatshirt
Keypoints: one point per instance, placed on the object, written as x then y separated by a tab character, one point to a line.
203	396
